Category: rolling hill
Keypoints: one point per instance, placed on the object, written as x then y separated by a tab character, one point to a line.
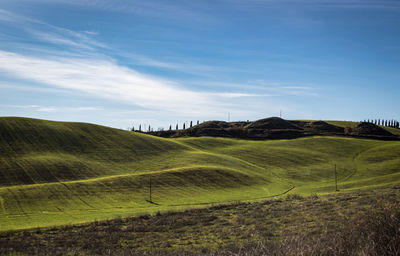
57	173
278	128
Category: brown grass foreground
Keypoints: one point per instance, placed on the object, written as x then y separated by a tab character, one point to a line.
356	223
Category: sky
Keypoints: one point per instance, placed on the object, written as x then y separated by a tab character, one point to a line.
122	63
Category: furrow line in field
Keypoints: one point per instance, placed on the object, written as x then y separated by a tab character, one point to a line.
77	196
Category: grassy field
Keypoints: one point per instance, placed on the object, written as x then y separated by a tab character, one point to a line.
56	173
336	224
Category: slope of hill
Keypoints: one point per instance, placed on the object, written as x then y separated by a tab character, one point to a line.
55	173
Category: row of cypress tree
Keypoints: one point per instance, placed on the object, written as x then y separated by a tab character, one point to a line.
387	123
151	129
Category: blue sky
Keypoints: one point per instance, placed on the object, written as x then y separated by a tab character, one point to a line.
122	63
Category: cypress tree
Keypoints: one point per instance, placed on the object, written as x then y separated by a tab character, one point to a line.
133	128
191	124
198	121
176	127
183	126
140	127
170	127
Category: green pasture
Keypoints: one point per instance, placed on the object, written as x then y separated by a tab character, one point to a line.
59	173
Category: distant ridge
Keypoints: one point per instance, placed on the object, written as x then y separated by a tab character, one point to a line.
277	128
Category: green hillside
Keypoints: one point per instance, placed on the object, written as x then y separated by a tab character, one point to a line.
56	173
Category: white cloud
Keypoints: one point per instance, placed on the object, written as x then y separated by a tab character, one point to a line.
106	79
52	108
182	65
32	88
51	34
46	109
57	39
169	10
77	66
22	106
84	108
238	95
11	17
91	32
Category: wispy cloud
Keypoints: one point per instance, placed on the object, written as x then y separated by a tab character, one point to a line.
69	42
180	65
89	72
169	10
52	108
48	33
263	88
19	87
22	106
62	70
107	80
239	95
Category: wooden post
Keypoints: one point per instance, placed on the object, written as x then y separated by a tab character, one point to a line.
336	179
150	189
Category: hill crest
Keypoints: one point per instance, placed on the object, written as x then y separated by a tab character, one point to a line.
277	128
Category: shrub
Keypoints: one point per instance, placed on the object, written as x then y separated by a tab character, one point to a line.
294	197
376	233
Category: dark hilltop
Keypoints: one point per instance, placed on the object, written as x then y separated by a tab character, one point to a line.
277	128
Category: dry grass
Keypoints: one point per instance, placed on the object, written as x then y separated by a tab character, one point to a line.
357	223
